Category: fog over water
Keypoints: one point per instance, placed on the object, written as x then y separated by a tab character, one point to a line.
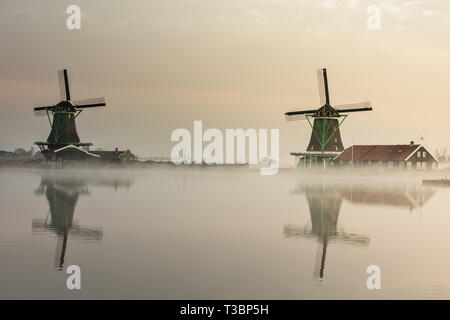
221	233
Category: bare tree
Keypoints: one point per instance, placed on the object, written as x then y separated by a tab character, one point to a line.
441	153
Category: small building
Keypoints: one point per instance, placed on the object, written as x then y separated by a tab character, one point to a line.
116	155
74	152
71	152
409	156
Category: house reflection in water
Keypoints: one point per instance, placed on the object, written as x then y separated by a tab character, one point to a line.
401	196
62	191
325	200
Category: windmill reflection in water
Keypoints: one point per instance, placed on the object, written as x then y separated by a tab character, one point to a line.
62	191
325	200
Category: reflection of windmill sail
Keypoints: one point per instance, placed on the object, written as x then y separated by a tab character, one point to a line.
62	191
324	205
321	254
61	246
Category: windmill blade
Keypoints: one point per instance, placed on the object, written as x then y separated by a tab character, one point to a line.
43	108
354	107
42	111
295	117
64	85
90	103
62	89
294	113
298	115
323	86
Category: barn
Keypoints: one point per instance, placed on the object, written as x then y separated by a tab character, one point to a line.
116	155
404	157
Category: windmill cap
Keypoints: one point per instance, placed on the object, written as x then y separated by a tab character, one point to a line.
64	105
328	109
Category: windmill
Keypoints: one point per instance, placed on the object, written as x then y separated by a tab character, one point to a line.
62	119
325	141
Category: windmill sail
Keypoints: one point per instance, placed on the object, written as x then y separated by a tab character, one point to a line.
321	83
42	111
354	107
298	115
90	103
295	117
64	85
322	80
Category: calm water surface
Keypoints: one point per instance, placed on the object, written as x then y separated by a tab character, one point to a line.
221	234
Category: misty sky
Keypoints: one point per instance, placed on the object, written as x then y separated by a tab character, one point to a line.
231	63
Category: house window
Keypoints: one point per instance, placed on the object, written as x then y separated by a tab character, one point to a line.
434	165
401	164
390	164
341	162
409	165
418	154
424	165
418	165
369	162
424	154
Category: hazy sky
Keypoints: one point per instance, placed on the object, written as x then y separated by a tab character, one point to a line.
231	63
